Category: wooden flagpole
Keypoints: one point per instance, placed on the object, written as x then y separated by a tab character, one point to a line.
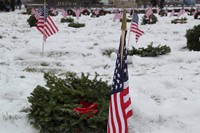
130	31
123	28
43	29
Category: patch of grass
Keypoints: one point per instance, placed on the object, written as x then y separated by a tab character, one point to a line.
44	64
14	37
22	76
28	69
108	52
95	44
11	117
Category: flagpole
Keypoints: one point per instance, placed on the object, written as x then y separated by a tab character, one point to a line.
43	29
130	31
123	28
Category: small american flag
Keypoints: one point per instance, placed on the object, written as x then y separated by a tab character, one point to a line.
77	12
172	13
181	12
115	16
134	27
118	15
96	12
35	13
64	13
194	13
166	11
45	24
120	103
53	11
158	10
149	12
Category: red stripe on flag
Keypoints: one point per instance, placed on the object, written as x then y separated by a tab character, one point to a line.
117	111
47	28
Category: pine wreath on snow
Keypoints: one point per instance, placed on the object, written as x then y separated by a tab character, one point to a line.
71	105
152	19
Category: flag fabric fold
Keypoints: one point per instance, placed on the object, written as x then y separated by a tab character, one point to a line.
45	24
120	103
134	27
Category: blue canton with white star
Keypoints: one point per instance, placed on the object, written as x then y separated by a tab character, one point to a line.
121	71
42	13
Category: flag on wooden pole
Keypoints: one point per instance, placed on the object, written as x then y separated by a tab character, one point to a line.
120	103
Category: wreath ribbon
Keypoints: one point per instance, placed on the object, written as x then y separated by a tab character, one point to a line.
90	109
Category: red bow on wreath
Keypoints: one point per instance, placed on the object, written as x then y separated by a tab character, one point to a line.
87	108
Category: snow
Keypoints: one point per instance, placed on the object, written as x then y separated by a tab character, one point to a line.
164	90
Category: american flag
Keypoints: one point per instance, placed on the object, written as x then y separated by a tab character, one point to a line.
64	13
149	12
158	10
194	13
53	11
96	12
120	103
134	27
172	13
77	12
45	24
35	13
118	16
181	12
166	11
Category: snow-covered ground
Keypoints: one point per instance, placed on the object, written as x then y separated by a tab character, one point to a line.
165	90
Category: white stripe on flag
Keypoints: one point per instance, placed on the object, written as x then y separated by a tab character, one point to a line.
120	112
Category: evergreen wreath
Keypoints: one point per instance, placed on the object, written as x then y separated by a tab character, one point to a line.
32	21
192	35
151	20
180	21
76	25
67	20
85	12
197	15
71	105
162	13
150	51
190	12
